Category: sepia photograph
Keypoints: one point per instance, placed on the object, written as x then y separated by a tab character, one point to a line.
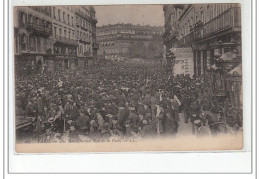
117	78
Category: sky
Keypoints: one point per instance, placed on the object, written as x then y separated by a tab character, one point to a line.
135	14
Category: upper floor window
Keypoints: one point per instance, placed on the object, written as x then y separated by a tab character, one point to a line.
59	15
54	15
63	16
55	31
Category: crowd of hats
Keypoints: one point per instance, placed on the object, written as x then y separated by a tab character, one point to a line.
113	99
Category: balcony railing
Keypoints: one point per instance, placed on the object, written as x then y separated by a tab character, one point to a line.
84	40
65	53
41	30
230	19
66	40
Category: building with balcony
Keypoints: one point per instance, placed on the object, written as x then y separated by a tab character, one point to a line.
123	41
54	37
32	34
86	34
212	33
64	38
172	14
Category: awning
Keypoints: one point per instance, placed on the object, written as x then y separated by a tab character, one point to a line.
228	56
237	70
214	67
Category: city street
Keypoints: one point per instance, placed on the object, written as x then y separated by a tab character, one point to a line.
184	128
76	74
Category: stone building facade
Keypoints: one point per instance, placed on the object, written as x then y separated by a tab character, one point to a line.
54	37
212	32
124	41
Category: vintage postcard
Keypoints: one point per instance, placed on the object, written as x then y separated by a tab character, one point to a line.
121	78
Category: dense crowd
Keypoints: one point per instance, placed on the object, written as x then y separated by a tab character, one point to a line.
125	100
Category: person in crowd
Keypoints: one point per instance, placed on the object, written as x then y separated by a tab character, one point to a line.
119	100
202	130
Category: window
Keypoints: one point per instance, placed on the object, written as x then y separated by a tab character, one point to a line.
60	31
68	19
55	31
30	19
72	23
38	47
65	33
54	15
24	18
59	14
37	20
63	16
24	42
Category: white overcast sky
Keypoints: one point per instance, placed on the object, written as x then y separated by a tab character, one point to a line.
135	14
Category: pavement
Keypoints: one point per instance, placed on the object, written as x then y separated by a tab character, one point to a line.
184	128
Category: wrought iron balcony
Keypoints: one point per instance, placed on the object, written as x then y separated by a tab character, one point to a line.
84	40
66	41
82	15
37	29
86	17
228	20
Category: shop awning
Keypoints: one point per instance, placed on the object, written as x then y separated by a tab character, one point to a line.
214	67
237	70
228	56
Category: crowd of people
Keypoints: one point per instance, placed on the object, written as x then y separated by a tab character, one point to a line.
119	100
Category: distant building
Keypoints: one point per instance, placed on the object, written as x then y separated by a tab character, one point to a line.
123	41
64	38
86	34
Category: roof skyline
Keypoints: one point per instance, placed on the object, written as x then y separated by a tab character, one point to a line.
107	25
135	14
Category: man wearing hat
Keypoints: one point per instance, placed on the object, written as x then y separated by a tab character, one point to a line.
149	129
122	115
129	130
116	129
73	135
171	124
202	131
82	122
194	112
146	109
